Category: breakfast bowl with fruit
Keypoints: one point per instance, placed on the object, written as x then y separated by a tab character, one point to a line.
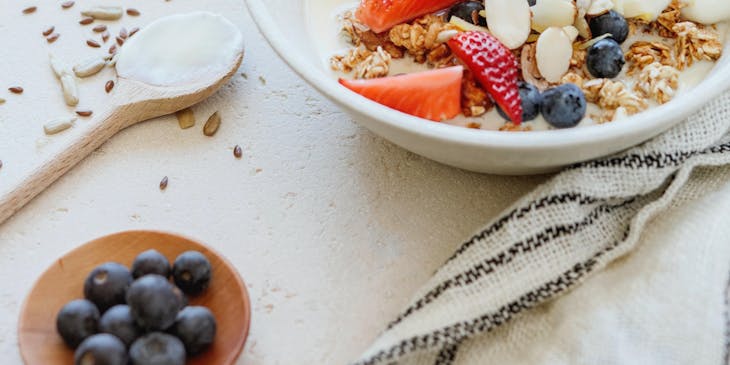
507	86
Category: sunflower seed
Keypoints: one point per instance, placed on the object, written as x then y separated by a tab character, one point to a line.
104	12
185	118
16	90
133	12
93	43
58	125
70	90
67	4
86	21
109	86
89	67
53	37
48	31
58	67
84	113
99	28
211	126
237	151
30	10
164	182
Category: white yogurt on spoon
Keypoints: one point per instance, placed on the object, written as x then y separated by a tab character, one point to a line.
180	49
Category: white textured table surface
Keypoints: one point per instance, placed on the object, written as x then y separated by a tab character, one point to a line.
331	227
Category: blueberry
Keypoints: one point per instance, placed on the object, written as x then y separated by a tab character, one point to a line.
157	349
107	285
605	59
118	321
611	22
564	106
153	302
191	272
150	262
101	349
469	11
195	327
531	100
76	321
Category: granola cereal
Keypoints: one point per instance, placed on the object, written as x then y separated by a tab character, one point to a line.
661	46
659	82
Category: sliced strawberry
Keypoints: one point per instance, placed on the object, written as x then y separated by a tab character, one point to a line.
381	15
433	94
494	66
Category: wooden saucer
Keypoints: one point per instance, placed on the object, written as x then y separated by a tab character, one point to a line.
226	297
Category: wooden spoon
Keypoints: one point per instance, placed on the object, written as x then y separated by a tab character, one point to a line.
132	102
226	297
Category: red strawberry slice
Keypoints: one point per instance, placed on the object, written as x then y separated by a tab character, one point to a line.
433	94
494	66
381	15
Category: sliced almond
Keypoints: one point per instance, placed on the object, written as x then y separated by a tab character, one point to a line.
466	26
509	21
582	24
647	10
553	13
572	32
89	67
599	7
707	11
554	51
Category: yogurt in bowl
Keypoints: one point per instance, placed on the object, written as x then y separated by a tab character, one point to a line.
305	34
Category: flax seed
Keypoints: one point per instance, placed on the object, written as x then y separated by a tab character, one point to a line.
93	43
48	31
30	10
109	86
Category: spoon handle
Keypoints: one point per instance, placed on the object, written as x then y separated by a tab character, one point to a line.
96	132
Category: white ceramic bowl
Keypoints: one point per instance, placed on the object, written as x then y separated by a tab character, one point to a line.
283	24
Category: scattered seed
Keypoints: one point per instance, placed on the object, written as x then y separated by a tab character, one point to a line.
86	21
104	12
84	113
133	31
70	89
163	183
123	33
109	86
2	101
89	67
58	125
133	12
30	10
105	36
93	43
99	28
211	126
237	151
120	40
48	31
244	75
113	49
67	4
52	38
1	164
185	118
16	90
262	80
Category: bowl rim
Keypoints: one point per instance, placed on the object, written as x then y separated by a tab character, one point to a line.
648	123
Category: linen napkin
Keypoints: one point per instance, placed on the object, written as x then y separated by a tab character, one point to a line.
501	298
